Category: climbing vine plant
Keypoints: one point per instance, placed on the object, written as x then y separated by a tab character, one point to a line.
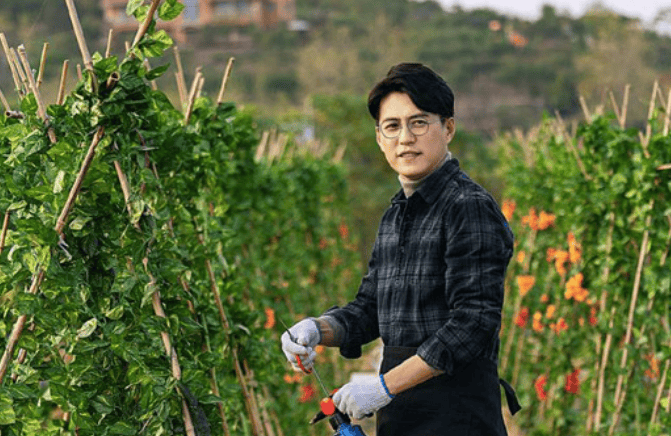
146	251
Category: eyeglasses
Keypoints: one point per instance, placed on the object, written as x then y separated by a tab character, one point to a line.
391	129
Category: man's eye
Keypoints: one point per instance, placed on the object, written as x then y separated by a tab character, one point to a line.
419	123
391	127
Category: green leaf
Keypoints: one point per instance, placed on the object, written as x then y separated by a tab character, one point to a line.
7	414
87	328
132	6
168	11
59	182
79	222
157	72
18	205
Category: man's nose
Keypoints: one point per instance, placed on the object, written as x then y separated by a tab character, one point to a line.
406	135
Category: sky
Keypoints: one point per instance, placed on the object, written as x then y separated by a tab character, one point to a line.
646	10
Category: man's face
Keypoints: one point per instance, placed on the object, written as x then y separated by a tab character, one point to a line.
412	156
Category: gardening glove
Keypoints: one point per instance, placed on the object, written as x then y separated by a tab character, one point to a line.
361	398
304	337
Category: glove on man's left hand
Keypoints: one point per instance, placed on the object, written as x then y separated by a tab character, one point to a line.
361	398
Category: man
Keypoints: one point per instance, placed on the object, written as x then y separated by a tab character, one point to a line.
434	288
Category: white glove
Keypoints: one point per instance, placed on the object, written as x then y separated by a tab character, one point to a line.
362	398
306	336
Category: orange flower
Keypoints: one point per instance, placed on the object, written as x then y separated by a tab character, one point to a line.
344	231
525	283
550	254
572	385
653	371
307	393
517	39
575	290
270	318
494	25
574	249
323	244
508	209
537	324
539	385
295	378
550	312
531	220
522	317
560	326
520	256
319	349
560	259
546	220
545	298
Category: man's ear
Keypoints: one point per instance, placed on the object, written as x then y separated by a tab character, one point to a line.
450	127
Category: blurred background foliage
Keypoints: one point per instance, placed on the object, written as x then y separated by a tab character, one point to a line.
506	72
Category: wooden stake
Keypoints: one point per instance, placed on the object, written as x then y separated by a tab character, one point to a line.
192	96
61	88
12	67
79	34
19	70
3	235
569	142
660	391
80	76
648	126
147	21
585	110
88	159
4	102
199	89
632	306
41	110
625	105
181	83
616	108
224	81
43	61
108	48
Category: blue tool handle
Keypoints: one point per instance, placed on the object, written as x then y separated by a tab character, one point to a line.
350	430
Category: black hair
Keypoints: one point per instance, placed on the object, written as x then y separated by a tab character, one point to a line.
427	90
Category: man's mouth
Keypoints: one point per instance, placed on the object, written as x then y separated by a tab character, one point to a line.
409	154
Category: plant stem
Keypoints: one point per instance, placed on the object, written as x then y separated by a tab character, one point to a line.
224	81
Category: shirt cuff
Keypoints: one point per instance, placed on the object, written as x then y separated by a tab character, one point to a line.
436	355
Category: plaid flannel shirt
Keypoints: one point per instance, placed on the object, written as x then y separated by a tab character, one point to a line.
436	273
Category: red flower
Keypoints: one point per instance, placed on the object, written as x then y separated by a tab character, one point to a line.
539	385
307	393
573	382
522	317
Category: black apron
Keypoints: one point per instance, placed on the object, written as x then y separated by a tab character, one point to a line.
466	403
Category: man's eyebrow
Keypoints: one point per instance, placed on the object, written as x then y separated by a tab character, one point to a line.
417	115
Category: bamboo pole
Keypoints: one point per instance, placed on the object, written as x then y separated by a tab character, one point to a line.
192	96
5	226
60	225
658	396
79	34
585	109
20	71
61	87
5	104
667	117
41	111
43	62
147	21
12	67
625	105
569	142
651	111
80	76
632	306
108	47
224	81
179	75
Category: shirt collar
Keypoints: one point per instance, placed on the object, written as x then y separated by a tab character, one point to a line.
434	184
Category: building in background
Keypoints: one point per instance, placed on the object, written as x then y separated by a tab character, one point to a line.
199	13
